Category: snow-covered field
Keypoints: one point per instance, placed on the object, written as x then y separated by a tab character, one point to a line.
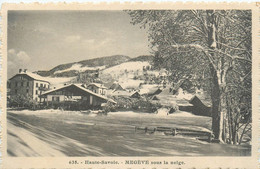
58	81
73	133
129	66
125	72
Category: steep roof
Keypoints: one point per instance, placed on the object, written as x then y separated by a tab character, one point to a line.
166	91
135	94
31	75
154	91
206	101
97	85
81	88
155	98
120	93
116	86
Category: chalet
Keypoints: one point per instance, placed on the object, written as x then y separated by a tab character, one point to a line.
166	91
201	106
75	93
135	94
27	84
119	93
97	88
155	98
153	92
167	98
116	86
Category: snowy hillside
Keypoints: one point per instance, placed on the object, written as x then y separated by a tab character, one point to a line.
127	67
128	72
125	73
79	68
58	81
72	69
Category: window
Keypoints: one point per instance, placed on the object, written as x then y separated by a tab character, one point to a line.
36	84
44	85
36	92
27	90
36	99
16	84
52	98
15	91
27	84
91	100
22	84
57	99
48	86
41	85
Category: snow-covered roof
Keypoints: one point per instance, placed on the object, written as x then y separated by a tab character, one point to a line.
116	86
166	91
32	75
133	92
120	93
82	88
202	97
97	85
151	91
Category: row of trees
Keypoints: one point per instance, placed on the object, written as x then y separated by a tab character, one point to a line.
21	101
213	49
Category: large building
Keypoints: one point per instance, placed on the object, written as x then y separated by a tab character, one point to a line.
28	85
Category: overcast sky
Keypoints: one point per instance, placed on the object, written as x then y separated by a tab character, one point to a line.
40	40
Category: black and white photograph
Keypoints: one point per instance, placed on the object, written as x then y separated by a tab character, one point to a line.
129	83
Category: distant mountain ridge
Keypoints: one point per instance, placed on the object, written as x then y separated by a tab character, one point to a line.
142	58
106	61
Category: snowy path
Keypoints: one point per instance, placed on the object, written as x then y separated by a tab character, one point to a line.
27	140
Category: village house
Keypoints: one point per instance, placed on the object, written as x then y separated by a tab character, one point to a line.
75	93
27	84
201	105
116	87
153	91
135	94
119	93
97	88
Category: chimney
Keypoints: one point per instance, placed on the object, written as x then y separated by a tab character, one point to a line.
20	70
25	70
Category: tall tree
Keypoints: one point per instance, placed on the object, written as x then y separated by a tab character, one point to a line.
212	48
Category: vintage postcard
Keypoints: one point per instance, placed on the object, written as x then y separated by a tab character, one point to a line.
130	85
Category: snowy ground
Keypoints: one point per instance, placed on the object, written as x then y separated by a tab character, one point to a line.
58	81
66	133
80	68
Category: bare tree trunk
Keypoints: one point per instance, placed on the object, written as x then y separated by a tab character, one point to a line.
217	116
218	80
230	122
234	134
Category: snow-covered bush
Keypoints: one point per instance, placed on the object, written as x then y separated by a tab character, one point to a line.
108	107
141	105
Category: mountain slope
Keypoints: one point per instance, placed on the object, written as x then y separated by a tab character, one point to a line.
142	58
72	69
